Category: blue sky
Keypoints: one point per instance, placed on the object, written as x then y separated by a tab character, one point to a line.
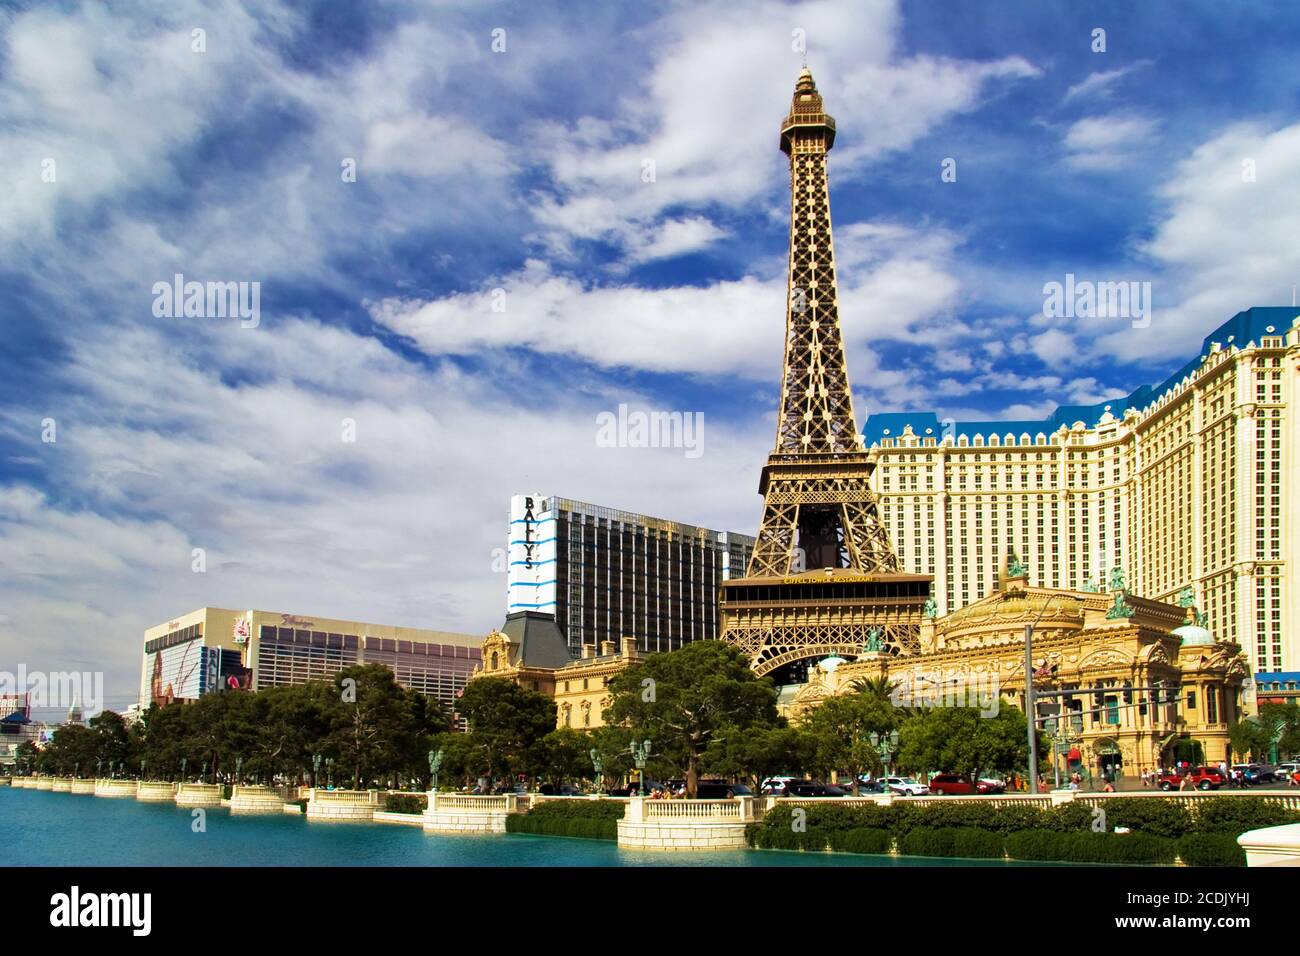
521	170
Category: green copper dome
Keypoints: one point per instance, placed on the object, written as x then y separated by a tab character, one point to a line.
1194	636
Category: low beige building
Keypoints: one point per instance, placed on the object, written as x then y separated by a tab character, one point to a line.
530	650
213	648
1151	686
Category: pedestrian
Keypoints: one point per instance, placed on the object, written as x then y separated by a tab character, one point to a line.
1185	783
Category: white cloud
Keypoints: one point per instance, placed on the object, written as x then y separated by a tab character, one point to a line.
708	122
1107	142
1222	244
1102	82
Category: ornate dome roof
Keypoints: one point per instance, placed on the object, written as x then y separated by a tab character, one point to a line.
1193	636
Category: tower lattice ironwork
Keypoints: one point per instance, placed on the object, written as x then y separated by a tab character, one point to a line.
823	578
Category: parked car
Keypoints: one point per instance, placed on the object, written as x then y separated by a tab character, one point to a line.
1203	778
1256	772
721	790
563	790
905	786
777	784
953	784
808	788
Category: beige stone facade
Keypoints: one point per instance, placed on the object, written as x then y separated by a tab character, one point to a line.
976	657
579	687
1184	484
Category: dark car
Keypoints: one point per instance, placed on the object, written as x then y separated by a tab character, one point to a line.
1255	772
563	790
868	786
721	790
806	788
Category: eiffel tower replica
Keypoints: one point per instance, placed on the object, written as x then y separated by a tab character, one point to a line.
823	579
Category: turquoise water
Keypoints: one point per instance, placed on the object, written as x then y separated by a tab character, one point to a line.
42	828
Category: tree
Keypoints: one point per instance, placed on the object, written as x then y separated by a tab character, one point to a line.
961	740
680	700
841	728
26	755
759	753
1283	724
113	740
1246	737
370	717
507	724
567	755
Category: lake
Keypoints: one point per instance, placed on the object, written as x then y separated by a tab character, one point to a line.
42	828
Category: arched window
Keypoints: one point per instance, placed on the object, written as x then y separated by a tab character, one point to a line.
494	660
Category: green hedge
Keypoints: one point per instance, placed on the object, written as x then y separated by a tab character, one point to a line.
405	802
1211	849
1161	829
1166	818
1236	815
590	828
1089	847
578	810
861	841
587	819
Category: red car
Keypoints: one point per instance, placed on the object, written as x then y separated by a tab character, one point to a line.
1203	778
952	784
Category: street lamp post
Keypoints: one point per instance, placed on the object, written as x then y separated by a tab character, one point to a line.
1031	713
640	755
886	745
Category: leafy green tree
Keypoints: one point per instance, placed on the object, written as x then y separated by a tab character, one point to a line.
166	735
460	759
1246	737
682	699
567	755
26	755
113	740
841	728
369	719
960	740
760	752
74	748
507	724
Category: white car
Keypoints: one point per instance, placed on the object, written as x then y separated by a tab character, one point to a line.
776	785
905	785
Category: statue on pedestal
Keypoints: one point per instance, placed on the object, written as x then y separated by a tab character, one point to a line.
435	764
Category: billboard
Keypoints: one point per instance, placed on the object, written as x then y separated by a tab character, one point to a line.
178	672
531	569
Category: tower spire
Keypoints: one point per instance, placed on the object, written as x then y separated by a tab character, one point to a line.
823	575
816	402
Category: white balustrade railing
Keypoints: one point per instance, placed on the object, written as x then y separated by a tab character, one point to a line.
692	809
354	797
472	801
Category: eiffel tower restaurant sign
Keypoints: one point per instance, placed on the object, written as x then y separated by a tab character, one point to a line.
823	579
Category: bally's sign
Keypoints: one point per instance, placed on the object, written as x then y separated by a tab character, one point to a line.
531	571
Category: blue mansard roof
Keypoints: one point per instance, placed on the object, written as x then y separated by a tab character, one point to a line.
1243	328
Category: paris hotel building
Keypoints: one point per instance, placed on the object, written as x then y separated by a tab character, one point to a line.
1180	484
